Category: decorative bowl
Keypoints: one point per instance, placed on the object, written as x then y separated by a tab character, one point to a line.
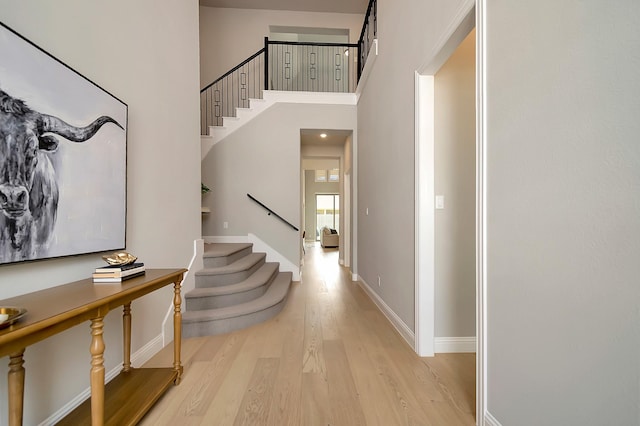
10	314
119	258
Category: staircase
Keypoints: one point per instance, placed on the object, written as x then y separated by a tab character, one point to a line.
236	289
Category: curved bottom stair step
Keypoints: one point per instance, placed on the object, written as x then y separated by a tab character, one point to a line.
222	320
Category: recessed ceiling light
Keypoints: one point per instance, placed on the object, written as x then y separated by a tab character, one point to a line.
323	135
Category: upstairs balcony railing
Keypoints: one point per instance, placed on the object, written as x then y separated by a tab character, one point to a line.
368	34
289	66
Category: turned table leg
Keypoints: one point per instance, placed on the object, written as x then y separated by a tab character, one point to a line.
177	330
97	372
16	388
126	335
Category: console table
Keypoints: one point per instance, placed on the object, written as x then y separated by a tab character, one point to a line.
132	393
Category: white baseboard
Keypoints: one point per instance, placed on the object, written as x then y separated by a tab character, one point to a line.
445	345
394	319
489	420
188	284
145	353
354	277
141	356
274	256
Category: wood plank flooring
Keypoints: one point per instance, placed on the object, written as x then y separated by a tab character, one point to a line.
329	358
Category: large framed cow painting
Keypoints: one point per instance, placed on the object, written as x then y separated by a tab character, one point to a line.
63	149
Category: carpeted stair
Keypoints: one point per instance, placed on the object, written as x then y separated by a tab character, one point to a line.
236	289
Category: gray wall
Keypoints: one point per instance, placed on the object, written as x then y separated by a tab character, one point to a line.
563	212
229	36
263	159
409	31
563	207
125	47
313	188
455	179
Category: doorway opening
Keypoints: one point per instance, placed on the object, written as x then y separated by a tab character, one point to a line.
327	213
426	251
326	167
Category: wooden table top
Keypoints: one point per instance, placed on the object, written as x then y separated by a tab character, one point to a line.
55	309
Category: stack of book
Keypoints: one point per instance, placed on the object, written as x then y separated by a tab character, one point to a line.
117	273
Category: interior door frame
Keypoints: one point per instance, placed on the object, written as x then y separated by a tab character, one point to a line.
470	15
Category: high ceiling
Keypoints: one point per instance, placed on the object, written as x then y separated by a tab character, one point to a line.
337	6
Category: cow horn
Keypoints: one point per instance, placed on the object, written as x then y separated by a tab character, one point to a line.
51	124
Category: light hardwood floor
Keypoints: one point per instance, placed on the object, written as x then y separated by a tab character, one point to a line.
329	358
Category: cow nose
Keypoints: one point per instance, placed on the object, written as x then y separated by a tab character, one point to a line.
13	198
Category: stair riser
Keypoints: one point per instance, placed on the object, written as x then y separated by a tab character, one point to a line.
216	262
222	301
209	328
226	279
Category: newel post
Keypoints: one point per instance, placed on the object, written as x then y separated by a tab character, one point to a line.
266	63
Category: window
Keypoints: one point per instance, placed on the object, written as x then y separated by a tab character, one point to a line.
332	175
327	212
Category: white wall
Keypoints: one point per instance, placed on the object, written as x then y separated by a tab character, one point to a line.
563	211
455	179
147	55
408	32
229	36
263	159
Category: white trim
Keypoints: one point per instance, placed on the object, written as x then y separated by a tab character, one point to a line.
481	213
274	256
206	143
326	98
368	66
270	98
459	27
489	420
402	328
145	353
447	345
424	216
354	277
346	241
188	284
231	124
141	356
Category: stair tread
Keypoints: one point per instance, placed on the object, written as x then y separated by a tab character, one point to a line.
239	265
276	293
258	278
224	249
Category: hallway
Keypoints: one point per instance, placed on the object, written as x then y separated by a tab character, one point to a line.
329	358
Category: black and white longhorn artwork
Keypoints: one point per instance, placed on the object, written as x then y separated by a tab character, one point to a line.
62	158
